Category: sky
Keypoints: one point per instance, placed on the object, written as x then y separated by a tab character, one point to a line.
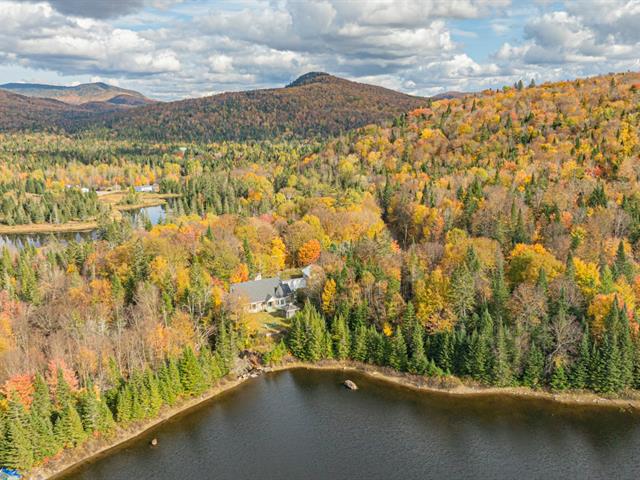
173	49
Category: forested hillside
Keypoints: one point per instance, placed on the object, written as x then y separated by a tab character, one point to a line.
492	239
18	112
316	105
77	94
33	113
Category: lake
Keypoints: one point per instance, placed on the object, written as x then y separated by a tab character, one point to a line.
304	425
155	214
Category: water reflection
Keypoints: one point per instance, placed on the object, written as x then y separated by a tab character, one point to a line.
139	218
303	424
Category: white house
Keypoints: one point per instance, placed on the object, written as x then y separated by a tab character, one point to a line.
271	294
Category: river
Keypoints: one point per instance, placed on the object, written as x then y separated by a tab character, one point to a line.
304	425
155	214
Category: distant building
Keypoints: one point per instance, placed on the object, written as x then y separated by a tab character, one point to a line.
271	294
145	188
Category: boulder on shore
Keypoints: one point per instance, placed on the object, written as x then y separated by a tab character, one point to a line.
350	385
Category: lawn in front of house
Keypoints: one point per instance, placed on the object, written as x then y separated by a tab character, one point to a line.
266	323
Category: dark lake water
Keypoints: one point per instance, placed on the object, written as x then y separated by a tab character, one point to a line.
305	425
155	215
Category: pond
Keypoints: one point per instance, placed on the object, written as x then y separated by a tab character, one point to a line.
304	425
138	217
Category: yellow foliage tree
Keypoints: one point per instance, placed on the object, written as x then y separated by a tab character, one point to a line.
432	307
598	310
526	261
328	296
587	277
278	253
6	333
240	274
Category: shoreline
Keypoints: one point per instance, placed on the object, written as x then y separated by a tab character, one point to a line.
45	228
70	459
436	386
86	225
73	458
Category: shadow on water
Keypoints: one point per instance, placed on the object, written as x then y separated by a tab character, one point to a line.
304	424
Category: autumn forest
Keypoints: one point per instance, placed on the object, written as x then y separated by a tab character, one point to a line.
486	240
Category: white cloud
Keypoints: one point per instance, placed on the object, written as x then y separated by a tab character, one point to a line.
588	37
37	36
103	8
195	47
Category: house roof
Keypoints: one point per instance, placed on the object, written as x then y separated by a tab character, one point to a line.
257	290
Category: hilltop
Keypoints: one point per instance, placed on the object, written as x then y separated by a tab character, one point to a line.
19	112
36	107
79	94
316	104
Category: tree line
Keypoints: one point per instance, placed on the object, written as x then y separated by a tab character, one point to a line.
48	415
482	348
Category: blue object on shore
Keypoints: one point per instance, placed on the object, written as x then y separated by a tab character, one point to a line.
7	474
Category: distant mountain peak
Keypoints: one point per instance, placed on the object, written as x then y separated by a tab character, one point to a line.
75	94
311	77
317	105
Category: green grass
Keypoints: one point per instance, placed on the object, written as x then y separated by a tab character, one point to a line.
291	273
265	323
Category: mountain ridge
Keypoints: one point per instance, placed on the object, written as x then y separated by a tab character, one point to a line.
316	104
74	94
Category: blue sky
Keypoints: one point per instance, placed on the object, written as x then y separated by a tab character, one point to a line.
171	49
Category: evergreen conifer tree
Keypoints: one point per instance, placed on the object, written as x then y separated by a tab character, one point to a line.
124	401
341	338
375	346
499	291
359	344
621	265
16	448
191	375
533	376
174	375
315	328
418	362
609	367
106	422
398	351
153	393
626	350
296	337
41	427
164	383
89	409
68	426
559	379
580	373
501	374
408	321
446	351
636	363
63	390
